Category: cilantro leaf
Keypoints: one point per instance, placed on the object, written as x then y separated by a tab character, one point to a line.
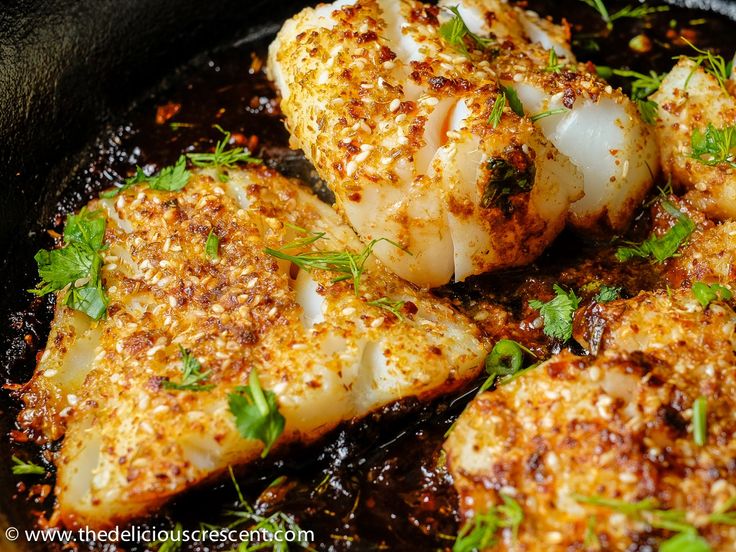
256	413
77	265
662	247
137	178
171	179
89	299
455	32
26	468
223	158
168	179
212	245
707	293
558	313
607	293
192	376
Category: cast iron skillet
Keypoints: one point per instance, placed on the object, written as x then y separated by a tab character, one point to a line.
67	69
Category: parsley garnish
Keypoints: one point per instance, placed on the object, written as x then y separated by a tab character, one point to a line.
168	179
223	158
212	245
505	360
497	111
632	12
714	64
607	294
548	113
714	146
256	413
455	32
77	265
662	247
349	265
707	293
171	179
394	307
558	313
700	421
480	532
26	468
506	179
553	63
192	378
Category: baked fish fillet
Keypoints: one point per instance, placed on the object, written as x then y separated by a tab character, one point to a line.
690	99
400	123
130	442
600	453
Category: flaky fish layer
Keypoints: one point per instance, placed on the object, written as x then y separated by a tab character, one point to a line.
130	443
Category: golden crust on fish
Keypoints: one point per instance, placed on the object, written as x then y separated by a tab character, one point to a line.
710	256
398	122
689	99
618	426
130	443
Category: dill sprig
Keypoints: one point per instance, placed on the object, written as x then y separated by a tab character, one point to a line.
480	533
548	113
276	523
348	265
192	378
714	146
392	306
223	158
712	63
640	11
455	32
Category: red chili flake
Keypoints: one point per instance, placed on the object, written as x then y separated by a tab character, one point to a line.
386	54
568	98
370	36
166	112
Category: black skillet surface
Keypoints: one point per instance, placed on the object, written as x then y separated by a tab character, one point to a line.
78	98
